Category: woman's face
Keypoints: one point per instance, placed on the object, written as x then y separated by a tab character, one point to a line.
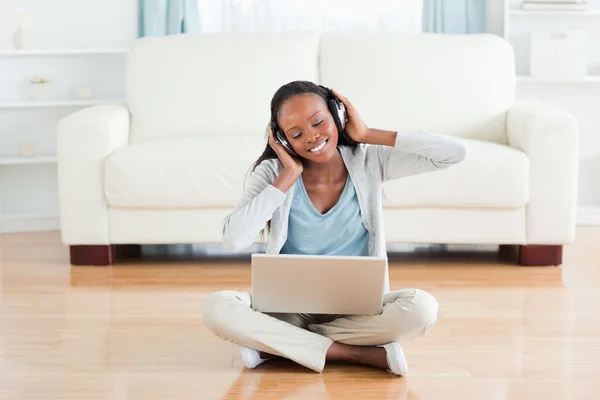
309	127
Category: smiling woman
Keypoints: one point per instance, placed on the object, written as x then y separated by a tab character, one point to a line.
319	182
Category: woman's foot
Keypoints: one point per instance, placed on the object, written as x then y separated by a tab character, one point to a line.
266	356
395	358
253	358
389	356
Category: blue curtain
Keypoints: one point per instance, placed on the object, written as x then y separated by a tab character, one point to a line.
168	17
454	16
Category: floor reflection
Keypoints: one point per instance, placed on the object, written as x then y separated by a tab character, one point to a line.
338	381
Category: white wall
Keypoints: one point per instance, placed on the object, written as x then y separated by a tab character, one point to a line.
72	23
31	190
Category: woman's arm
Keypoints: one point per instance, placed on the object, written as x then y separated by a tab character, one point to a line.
256	207
406	153
264	194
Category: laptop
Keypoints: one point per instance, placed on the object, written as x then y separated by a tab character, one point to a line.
307	284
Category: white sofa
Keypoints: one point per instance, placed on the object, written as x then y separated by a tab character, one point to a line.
168	165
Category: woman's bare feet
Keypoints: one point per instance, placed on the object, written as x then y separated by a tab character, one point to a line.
365	355
389	357
265	356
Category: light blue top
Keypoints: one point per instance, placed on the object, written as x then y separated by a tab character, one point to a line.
340	231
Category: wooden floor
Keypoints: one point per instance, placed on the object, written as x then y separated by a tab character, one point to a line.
133	331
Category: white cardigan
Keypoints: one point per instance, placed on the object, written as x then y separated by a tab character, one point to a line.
368	166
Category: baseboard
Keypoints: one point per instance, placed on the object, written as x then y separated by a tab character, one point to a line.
588	215
29	223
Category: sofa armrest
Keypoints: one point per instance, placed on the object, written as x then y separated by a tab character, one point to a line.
549	137
85	138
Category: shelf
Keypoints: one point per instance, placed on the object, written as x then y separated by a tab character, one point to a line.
578	13
64	52
42	215
27	160
59	103
588	79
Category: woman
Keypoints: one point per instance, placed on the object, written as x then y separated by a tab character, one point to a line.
322	171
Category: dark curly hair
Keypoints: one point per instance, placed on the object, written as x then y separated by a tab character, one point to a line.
283	94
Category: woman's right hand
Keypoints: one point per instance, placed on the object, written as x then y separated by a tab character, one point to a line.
292	166
290	163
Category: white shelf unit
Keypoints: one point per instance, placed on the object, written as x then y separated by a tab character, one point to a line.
576	96
4	161
32	180
587	79
561	13
518	22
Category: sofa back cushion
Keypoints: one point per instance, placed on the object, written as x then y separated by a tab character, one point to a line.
212	84
456	84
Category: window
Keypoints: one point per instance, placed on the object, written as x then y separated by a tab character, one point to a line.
397	16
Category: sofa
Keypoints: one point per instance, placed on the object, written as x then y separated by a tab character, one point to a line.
167	165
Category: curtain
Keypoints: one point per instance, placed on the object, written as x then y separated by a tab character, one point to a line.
168	17
454	16
399	16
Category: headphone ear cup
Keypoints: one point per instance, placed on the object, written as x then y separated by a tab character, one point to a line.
280	137
338	111
342	114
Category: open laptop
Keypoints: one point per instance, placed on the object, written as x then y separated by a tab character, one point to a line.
307	284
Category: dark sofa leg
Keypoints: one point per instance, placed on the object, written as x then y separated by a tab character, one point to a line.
540	255
92	254
103	254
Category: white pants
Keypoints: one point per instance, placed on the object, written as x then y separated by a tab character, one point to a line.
305	338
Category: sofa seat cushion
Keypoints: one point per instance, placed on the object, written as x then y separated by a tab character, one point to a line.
492	176
208	172
184	172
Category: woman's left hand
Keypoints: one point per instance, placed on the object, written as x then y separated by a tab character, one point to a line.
355	126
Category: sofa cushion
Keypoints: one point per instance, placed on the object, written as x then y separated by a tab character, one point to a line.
466	81
184	172
492	176
213	84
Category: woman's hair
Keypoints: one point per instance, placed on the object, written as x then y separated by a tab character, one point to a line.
282	95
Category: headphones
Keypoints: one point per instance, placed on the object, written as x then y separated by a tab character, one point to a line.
337	110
